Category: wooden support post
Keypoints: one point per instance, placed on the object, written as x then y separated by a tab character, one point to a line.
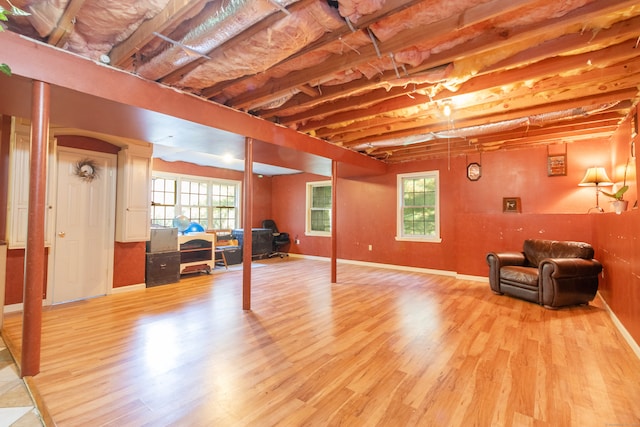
247	241
334	216
35	252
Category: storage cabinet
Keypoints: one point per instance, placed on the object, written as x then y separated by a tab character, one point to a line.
162	268
18	197
261	241
133	199
233	254
163	257
196	253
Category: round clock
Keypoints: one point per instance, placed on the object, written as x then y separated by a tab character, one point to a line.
474	172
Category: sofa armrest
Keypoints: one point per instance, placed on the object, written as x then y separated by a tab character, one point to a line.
497	260
568	281
569	267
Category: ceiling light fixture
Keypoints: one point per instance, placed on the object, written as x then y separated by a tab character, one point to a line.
447	109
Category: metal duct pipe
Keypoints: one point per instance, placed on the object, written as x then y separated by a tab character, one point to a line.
471	131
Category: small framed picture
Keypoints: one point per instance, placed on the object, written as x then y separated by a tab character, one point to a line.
557	165
511	205
474	171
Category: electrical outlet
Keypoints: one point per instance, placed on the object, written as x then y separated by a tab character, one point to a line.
370	247
297	241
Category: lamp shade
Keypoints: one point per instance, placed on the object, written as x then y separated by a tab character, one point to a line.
595	176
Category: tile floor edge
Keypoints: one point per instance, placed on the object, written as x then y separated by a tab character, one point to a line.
29	383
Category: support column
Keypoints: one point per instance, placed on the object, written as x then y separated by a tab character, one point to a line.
247	220
35	252
334	222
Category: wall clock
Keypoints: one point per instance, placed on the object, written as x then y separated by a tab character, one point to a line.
474	171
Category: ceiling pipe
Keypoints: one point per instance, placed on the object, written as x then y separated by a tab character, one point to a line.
473	131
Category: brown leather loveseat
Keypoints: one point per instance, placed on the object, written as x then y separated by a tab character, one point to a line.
548	272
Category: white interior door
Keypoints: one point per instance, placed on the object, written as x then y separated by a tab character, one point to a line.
85	218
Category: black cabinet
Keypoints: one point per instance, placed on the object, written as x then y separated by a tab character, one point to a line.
261	241
162	268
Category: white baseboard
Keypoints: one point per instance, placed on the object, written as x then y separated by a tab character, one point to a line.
399	267
128	288
625	334
12	308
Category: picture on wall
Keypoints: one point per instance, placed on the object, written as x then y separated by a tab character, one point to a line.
557	165
511	205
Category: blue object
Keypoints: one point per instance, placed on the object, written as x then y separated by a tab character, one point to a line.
194	227
181	222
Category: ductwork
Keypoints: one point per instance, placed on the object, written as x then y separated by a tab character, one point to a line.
474	131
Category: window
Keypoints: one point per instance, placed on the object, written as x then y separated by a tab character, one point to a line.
194	202
212	203
418	207
318	208
224	202
163	201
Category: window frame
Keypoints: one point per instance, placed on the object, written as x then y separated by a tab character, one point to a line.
209	181
309	193
400	234
166	221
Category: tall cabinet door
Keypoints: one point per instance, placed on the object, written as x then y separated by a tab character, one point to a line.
133	206
19	167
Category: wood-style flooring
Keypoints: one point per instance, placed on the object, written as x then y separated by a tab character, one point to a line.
379	348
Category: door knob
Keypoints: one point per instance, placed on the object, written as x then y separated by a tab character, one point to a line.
61	234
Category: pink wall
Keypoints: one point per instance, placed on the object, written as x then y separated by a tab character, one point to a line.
472	220
617	238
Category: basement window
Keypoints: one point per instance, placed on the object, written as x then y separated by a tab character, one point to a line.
318	218
418	217
213	203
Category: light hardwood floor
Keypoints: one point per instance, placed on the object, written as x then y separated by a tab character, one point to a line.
381	347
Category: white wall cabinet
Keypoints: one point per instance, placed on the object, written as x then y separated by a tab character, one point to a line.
133	200
18	198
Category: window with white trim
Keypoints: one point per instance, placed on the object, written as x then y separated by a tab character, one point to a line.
318	221
213	203
163	201
418	215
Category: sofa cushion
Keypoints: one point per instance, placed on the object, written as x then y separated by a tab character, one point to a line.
535	250
516	274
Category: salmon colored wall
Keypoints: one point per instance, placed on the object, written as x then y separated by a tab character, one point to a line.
618	240
14	288
87	143
129	263
472	221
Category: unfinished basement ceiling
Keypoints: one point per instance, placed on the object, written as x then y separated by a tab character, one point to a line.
376	76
